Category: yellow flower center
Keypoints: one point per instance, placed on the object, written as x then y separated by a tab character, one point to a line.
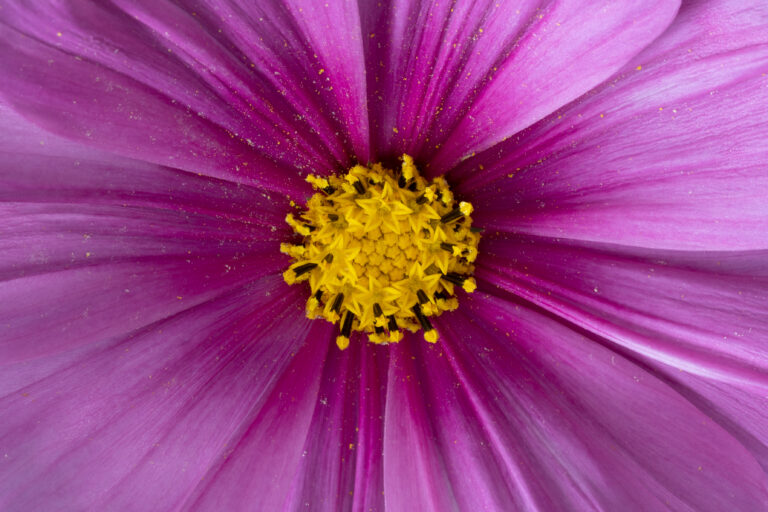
382	251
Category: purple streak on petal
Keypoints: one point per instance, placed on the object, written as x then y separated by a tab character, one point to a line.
563	50
341	463
701	313
439	452
96	246
137	422
425	61
415	473
308	52
171	89
587	428
369	476
669	156
740	409
255	471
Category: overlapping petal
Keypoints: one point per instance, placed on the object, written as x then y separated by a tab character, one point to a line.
138	422
95	246
341	463
698	319
670	154
247	92
451	78
577	426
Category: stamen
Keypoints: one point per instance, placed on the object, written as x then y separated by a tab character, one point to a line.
425	324
336	306
303	269
382	251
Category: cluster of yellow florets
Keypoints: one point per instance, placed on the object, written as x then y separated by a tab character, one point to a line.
382	251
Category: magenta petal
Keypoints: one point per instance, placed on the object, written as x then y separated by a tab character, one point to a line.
138	423
701	313
536	58
698	319
94	246
341	464
671	154
159	83
439	454
255	471
580	427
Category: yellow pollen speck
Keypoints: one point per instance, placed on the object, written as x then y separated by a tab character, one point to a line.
321	72
639	68
382	251
394	129
58	34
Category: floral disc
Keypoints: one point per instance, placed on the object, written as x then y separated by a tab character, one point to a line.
382	251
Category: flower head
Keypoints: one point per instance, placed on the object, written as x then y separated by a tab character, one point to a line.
613	353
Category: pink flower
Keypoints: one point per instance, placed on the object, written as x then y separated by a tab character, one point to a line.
614	356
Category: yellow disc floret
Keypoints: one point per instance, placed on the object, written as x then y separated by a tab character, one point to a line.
382	251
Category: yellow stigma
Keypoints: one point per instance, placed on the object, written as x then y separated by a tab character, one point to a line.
382	251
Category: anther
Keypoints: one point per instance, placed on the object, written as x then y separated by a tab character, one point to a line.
329	258
421	199
429	335
333	217
342	341
423	299
303	269
447	247
336	306
392	325
377	310
359	187
453	277
346	328
451	216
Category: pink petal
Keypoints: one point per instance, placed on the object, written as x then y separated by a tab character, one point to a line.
255	471
701	313
670	154
697	319
523	62
95	246
438	453
140	422
239	97
341	463
575	425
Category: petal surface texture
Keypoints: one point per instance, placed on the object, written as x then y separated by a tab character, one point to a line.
95	246
247	92
453	78
670	153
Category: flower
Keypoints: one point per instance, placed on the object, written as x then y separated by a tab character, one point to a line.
613	356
